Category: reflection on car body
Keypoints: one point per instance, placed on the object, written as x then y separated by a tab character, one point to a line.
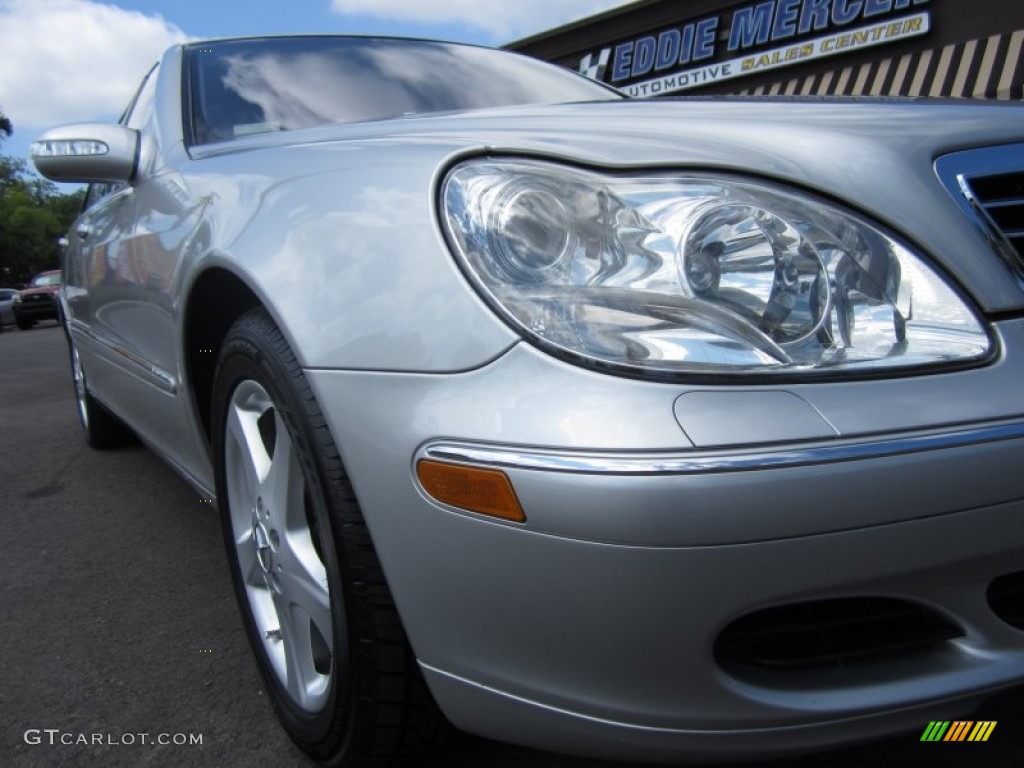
653	430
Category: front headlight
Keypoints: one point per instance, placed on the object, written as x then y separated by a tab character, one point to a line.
16	299
698	274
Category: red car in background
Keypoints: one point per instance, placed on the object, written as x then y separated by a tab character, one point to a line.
38	301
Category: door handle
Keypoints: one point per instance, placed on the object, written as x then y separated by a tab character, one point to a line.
83	231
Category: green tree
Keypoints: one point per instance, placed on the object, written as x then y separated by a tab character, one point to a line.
32	216
6	128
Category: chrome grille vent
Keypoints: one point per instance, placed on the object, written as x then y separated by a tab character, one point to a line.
1001	197
988	185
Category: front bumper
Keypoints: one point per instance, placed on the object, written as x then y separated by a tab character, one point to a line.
609	652
35	310
592	628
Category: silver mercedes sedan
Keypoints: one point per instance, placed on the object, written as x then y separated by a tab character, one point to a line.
659	430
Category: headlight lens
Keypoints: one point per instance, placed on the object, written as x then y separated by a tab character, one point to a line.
674	274
17	298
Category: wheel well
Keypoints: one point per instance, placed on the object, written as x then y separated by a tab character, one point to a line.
217	299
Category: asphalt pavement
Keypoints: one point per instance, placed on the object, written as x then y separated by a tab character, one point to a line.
120	643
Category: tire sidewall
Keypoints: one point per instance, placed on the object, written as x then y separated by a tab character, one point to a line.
248	356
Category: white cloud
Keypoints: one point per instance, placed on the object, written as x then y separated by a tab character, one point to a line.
504	19
72	60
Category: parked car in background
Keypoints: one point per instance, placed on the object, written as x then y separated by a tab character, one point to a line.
665	430
39	301
7	306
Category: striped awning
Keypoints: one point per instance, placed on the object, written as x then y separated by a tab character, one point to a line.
986	68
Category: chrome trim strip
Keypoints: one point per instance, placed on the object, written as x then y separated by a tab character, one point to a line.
151	373
511	457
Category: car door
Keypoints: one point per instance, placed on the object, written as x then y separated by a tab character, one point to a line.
131	259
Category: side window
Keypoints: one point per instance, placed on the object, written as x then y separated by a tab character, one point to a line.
96	193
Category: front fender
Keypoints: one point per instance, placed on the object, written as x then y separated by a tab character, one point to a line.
340	242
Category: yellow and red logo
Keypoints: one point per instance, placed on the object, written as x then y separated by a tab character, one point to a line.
958	730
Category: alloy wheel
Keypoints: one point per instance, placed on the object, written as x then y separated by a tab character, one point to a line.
276	542
78	375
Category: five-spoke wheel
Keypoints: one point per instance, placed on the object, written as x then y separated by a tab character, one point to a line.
276	543
316	607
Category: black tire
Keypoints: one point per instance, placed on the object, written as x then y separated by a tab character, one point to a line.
25	325
102	429
357	699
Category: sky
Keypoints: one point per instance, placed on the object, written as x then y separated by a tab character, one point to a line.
64	61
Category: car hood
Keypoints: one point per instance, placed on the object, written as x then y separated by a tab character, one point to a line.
41	289
876	156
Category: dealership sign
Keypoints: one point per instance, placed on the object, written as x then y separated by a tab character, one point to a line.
752	39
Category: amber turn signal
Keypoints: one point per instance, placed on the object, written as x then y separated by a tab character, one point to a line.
486	491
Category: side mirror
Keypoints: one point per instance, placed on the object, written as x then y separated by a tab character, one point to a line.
87	153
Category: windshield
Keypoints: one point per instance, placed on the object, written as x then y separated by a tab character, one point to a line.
240	87
51	278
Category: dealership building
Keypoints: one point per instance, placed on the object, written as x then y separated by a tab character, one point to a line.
937	48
